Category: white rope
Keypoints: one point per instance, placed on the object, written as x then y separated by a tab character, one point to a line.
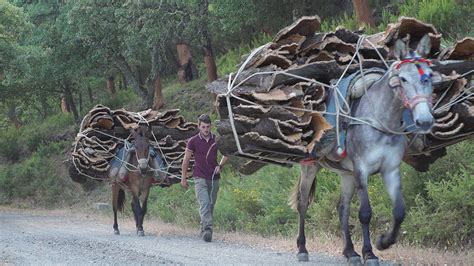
154	137
142	118
115	156
341	110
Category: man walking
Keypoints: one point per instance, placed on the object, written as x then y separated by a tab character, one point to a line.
206	172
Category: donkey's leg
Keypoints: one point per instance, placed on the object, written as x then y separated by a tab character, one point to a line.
365	215
347	192
115	195
306	189
393	185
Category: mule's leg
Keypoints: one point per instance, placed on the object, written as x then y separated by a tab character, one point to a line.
347	192
365	215
115	195
137	212
306	189
143	199
393	185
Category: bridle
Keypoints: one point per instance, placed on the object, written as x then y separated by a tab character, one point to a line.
424	77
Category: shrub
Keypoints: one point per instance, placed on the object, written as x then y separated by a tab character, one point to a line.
444	217
35	135
10	144
440	13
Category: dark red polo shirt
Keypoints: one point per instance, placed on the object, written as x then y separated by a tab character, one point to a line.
205	156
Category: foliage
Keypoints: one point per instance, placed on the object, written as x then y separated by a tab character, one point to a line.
48	49
444	216
441	13
34	179
34	136
9	144
230	61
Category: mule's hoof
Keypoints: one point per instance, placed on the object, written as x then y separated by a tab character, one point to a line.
140	233
372	262
354	261
302	257
382	243
116	232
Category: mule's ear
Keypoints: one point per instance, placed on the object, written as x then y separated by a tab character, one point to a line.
424	46
401	50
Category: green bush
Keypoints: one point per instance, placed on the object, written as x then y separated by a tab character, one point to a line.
445	15
445	216
37	179
229	62
121	99
10	144
35	135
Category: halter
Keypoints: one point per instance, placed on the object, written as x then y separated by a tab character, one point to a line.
411	103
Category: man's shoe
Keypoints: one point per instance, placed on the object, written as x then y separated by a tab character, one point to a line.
207	235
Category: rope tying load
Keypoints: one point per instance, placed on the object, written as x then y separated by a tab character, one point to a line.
104	139
274	108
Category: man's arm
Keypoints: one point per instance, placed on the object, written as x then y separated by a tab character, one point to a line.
223	160
219	167
184	168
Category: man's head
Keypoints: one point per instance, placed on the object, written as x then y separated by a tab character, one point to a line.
204	125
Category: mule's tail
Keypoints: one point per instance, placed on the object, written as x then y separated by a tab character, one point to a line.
120	200
295	194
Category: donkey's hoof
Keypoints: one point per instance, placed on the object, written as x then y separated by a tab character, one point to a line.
302	257
372	262
382	242
354	261
140	233
116	232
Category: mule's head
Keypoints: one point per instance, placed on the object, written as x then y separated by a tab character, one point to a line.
141	146
412	77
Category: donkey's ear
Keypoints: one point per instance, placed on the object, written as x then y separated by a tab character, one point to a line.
401	50
424	46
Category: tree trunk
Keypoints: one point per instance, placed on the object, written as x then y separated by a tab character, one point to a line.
154	79
111	85
64	106
211	69
131	79
13	116
158	100
89	92
363	13
80	102
70	100
306	8
188	70
124	82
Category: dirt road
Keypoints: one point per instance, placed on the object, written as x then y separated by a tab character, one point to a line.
28	237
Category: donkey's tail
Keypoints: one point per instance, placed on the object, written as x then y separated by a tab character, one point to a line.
295	195
120	200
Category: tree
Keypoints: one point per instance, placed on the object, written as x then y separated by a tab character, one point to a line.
132	37
363	13
209	62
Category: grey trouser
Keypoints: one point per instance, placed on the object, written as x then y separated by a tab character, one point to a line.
204	188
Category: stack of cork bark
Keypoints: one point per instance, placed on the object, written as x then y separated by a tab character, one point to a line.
102	133
271	110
